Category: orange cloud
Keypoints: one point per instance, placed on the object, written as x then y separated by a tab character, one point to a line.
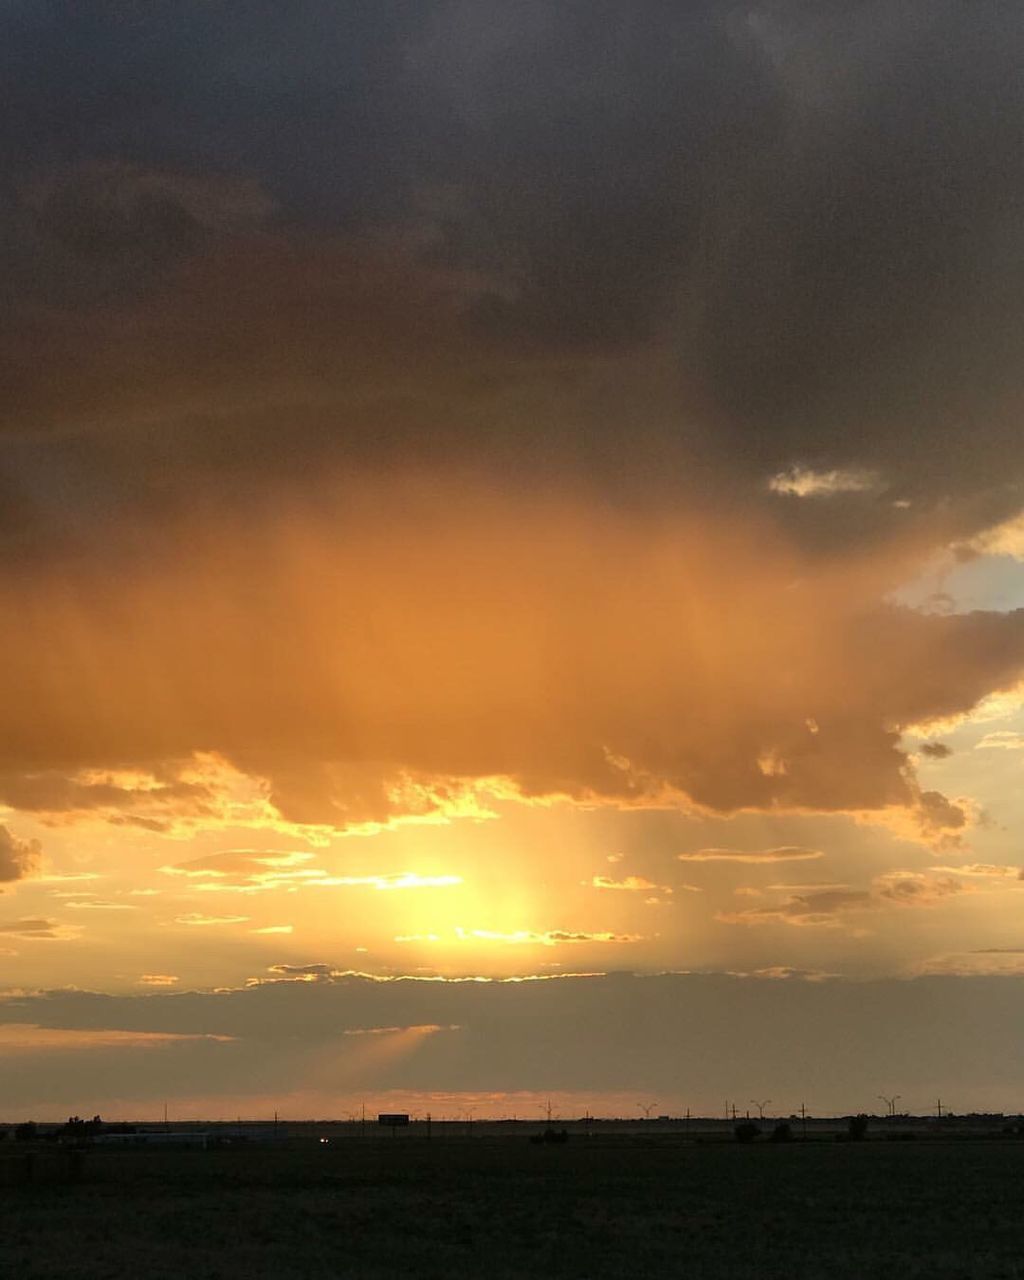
36	928
787	853
549	938
18	858
424	1029
467	644
197	918
829	907
24	1037
245	871
628	884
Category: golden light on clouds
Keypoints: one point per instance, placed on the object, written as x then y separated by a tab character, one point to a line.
525	538
17	1037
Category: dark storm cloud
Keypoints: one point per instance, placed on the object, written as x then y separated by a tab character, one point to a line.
664	1032
811	208
284	268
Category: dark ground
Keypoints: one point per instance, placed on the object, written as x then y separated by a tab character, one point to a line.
501	1207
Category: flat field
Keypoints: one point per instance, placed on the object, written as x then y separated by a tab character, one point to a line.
502	1207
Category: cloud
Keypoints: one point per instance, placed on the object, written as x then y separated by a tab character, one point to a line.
830	907
158	980
1003	740
276	928
18	858
936	750
989	962
628	884
151	800
554	936
547	938
494	721
912	889
198	918
19	1037
542	349
36	928
810	910
98	904
253	862
428	1029
304	972
394	881
803	482
249	871
786	853
939	819
789	973
985	870
1003	539
577	1033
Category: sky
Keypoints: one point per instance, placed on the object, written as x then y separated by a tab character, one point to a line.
512	552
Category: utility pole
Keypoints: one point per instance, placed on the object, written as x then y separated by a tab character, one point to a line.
938	1107
803	1120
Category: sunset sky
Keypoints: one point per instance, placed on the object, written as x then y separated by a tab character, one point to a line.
512	523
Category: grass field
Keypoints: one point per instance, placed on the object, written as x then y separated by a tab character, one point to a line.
502	1207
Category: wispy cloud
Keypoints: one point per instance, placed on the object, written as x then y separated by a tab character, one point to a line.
197	918
1002	740
423	1029
984	870
518	937
829	908
629	884
805	482
38	928
549	938
28	1037
785	853
99	904
245	871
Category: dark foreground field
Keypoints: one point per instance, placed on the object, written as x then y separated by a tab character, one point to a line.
502	1207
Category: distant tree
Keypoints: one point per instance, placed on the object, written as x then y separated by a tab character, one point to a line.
782	1132
747	1131
550	1135
76	1130
858	1129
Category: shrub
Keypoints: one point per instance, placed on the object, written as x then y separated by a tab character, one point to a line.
782	1132
747	1131
858	1127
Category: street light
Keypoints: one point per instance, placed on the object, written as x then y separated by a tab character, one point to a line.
761	1105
